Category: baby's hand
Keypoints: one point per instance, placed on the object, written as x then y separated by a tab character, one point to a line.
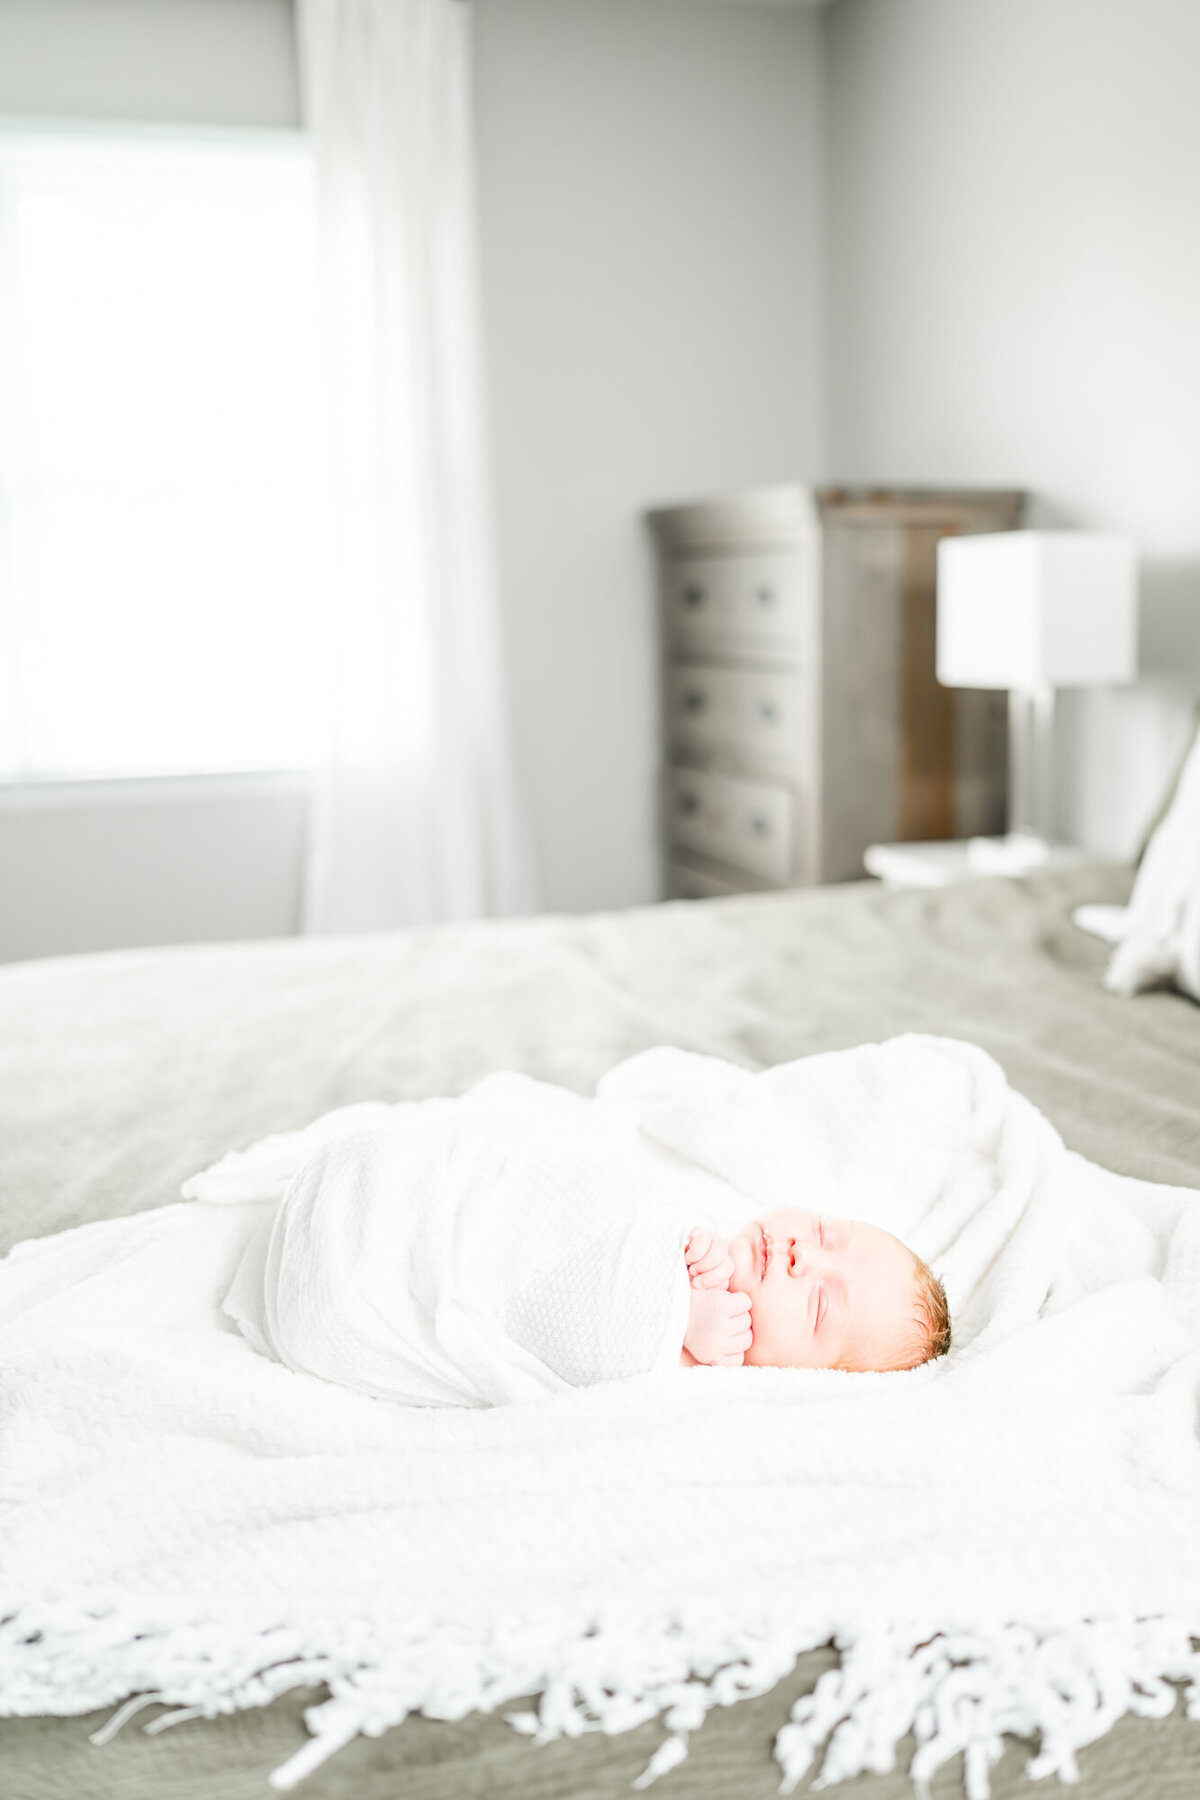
718	1327
709	1263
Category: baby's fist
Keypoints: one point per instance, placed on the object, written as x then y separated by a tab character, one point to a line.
709	1264
718	1327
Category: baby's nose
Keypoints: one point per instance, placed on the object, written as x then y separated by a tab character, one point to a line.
803	1255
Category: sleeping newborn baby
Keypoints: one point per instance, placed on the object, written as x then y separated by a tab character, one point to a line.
794	1290
519	1240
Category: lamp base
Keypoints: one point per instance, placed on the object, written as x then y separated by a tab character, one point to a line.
1030	766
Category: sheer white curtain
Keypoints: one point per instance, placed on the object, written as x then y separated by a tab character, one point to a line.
416	817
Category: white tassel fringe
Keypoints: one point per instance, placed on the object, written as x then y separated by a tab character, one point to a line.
957	1693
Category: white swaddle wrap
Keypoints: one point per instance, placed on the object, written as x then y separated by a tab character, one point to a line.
511	1242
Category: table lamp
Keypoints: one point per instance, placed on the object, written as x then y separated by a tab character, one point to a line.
1032	611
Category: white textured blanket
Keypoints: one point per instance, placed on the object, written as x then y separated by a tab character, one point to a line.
1001	1541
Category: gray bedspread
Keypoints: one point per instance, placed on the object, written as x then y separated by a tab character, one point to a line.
122	1074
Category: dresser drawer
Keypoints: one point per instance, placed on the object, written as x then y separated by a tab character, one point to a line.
751	715
685	881
747	824
765	598
750	604
697	598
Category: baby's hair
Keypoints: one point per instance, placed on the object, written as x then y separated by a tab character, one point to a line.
932	1315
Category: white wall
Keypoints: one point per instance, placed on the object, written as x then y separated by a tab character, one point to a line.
214	62
1013	295
87	867
649	193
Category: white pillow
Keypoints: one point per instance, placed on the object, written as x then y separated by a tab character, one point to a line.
1160	938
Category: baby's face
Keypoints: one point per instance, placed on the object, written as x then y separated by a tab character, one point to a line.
825	1293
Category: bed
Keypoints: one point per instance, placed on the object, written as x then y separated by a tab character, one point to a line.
124	1073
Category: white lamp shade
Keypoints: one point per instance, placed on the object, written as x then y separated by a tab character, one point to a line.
1036	609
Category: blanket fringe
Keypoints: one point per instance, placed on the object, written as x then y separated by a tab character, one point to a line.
957	1693
962	1693
123	1714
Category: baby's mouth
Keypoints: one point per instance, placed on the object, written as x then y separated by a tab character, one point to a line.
764	1253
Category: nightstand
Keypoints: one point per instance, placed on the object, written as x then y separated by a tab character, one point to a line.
941	863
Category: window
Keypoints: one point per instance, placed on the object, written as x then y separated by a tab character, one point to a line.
160	516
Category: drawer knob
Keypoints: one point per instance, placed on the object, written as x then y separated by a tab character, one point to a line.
688	803
765	596
759	825
768	712
695	700
693	594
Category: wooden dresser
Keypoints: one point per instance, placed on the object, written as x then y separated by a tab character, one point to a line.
802	719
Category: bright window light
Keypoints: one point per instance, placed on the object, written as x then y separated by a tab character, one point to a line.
161	533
